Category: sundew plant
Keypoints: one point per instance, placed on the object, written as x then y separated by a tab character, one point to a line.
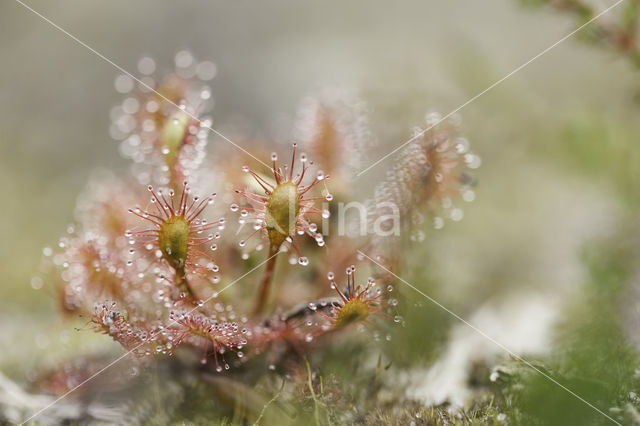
320	213
203	259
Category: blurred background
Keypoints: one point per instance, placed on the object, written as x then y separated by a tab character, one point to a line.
544	260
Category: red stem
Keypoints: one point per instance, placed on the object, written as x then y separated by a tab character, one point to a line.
265	282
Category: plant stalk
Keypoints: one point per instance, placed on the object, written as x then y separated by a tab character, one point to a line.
265	281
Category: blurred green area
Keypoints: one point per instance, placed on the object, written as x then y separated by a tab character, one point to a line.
556	210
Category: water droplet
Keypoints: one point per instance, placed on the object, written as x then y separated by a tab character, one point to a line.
245	169
418	235
274	156
462	145
146	65
472	161
123	83
206	70
468	195
303	261
36	283
456	214
438	222
308	338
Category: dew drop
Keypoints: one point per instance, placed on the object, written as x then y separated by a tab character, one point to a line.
418	235
468	195
438	222
146	65
456	214
123	83
206	70
462	145
36	283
